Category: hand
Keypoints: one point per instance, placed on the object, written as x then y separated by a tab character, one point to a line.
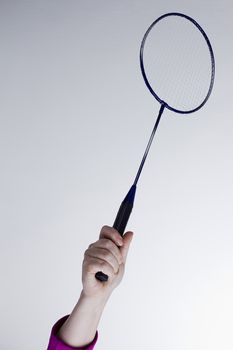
108	255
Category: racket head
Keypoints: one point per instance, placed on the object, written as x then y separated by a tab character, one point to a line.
209	74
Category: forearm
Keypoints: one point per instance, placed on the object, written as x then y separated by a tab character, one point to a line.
80	327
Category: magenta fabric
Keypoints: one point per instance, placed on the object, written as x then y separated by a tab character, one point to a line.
57	344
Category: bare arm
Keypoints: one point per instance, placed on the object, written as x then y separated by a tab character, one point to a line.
108	254
80	327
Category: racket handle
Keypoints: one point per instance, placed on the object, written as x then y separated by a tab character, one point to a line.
121	222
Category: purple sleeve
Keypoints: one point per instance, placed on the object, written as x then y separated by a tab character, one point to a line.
57	344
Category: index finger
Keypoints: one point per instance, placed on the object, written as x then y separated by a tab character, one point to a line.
112	234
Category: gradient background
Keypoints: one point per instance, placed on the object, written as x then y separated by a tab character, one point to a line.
75	119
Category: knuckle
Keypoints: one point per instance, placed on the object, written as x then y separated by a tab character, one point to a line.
110	260
86	259
90	266
105	243
108	243
106	254
102	263
87	265
104	229
87	255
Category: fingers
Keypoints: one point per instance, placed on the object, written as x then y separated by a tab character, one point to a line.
108	246
122	242
112	234
92	265
106	255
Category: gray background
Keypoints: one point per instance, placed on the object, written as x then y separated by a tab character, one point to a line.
75	118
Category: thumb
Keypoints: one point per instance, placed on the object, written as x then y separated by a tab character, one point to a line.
127	238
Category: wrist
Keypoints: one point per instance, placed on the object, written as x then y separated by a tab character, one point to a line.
97	300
